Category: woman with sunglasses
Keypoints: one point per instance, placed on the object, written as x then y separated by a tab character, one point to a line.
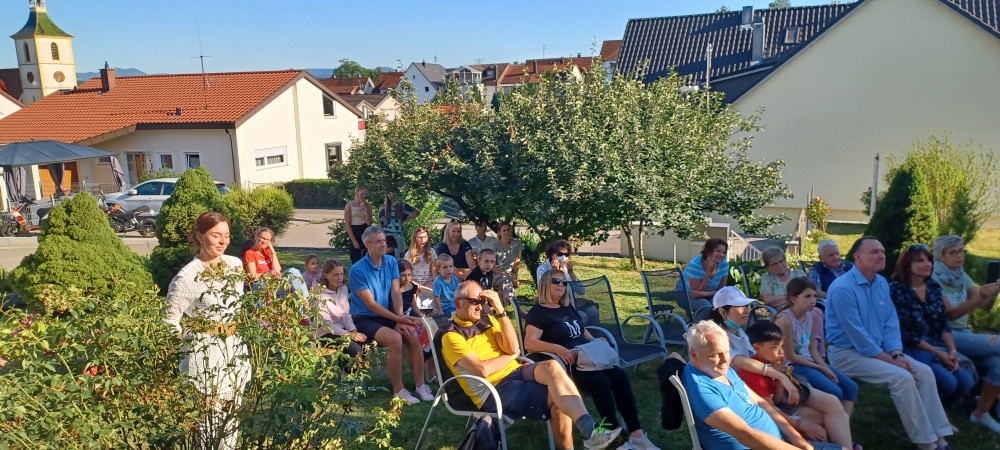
557	254
961	297
553	326
923	323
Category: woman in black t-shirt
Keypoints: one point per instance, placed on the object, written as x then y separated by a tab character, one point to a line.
553	326
458	248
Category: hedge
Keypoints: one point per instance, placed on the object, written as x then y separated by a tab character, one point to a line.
316	193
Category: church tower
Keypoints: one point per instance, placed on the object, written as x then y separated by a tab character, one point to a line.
44	55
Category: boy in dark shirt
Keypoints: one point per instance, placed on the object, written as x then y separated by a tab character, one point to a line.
489	278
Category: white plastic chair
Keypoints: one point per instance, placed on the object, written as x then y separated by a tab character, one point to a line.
688	414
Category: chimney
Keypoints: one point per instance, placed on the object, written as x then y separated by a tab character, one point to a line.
757	42
534	66
107	78
746	18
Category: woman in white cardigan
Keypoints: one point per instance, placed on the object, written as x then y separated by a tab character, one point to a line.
202	302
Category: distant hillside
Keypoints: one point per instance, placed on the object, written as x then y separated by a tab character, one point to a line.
128	72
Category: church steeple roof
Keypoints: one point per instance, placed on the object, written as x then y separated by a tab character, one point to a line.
39	23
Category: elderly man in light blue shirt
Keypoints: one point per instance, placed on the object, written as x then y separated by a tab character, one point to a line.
863	331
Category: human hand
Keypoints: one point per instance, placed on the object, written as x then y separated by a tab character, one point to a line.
358	336
793	392
904	363
355	243
405	329
516	283
568	356
829	374
989	291
811	431
408	320
493	298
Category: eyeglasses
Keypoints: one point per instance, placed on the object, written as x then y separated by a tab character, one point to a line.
915	247
960	251
559	281
562	253
474	301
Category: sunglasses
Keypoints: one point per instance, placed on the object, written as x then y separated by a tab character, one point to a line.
563	253
915	247
559	281
474	301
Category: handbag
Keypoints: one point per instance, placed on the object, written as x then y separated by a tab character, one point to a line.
800	384
482	435
595	355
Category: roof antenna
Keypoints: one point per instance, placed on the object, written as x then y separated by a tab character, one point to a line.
202	56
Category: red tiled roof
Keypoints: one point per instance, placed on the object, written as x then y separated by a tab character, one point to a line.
388	80
610	50
351	85
10	82
532	69
87	114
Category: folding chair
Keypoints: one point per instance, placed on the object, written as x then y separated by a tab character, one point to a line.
664	290
598	290
758	310
688	414
457	402
807	265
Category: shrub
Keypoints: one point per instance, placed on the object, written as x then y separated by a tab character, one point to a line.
339	239
265	206
905	216
163	172
818	211
430	217
962	217
195	194
78	249
316	193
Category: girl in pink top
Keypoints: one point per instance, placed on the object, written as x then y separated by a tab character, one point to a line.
335	310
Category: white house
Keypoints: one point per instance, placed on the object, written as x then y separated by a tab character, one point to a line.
246	128
427	80
375	104
8	105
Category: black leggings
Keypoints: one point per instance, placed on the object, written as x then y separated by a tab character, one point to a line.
353	349
609	388
357	253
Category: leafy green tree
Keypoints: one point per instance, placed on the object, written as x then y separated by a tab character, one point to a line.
195	193
77	249
780	4
265	206
818	211
962	217
350	69
905	216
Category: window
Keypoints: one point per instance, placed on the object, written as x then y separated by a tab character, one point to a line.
166	161
265	158
104	160
193	160
168	188
55	52
27	53
792	35
427	88
334	155
329	109
150	188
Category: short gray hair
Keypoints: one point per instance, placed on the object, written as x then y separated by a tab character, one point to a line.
371	231
697	335
463	288
768	255
945	243
824	244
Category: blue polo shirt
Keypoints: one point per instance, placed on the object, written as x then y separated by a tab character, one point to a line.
695	270
708	396
860	315
366	277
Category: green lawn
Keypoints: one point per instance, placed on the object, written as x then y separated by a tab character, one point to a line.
875	423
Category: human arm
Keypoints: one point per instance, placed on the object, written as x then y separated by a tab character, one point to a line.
984	295
767	294
759	367
355	240
470	257
275	264
368	213
369	300
413	213
506	338
785	424
727	421
515	269
180	295
844	310
814	277
533	343
783	322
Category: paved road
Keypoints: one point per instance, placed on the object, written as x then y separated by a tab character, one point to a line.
309	229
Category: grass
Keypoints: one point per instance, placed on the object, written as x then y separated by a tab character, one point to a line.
875	423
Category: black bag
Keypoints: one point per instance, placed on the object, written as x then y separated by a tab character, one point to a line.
483	435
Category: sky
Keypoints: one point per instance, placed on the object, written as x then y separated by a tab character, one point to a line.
158	36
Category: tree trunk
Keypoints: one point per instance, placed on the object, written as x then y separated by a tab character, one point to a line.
642	253
627	234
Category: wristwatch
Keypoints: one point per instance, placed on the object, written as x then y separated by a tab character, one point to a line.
896	355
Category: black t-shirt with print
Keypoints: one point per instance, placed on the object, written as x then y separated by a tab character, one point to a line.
485	280
560	326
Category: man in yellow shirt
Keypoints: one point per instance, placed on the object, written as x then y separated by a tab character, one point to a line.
488	347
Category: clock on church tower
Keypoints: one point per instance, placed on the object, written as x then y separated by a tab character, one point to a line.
44	55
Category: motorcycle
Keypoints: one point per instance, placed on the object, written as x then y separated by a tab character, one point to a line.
17	220
141	219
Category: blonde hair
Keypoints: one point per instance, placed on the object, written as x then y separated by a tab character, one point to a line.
415	251
328	267
447	239
545	287
442	259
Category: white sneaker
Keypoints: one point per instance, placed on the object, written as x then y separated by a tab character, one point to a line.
641	443
601	437
425	393
407	397
987	421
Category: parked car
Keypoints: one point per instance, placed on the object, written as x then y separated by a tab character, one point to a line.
151	193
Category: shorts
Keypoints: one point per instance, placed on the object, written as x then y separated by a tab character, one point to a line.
521	395
369	325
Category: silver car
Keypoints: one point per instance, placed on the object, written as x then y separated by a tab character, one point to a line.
151	193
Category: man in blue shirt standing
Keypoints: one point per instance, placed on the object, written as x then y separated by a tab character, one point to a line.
863	331
377	310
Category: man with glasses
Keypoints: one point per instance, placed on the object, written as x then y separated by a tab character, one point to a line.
866	344
487	346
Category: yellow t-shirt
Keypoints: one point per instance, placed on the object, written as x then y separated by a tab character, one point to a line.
455	346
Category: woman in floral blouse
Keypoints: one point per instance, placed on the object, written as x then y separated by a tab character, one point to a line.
923	323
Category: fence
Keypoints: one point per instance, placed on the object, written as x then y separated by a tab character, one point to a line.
739	247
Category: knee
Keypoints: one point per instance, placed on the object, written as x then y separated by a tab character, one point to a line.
551	368
393	340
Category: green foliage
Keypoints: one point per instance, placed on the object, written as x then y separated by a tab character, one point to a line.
105	376
818	212
318	193
339	239
77	249
430	216
961	219
162	172
351	69
265	206
905	216
195	193
780	4
572	157
532	253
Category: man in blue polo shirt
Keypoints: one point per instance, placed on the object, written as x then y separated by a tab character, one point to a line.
728	415
865	343
377	310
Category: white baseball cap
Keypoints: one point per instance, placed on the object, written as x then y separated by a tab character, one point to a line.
730	296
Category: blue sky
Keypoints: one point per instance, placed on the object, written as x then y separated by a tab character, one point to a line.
160	36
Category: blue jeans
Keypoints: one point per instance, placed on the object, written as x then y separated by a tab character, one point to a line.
951	386
844	389
983	349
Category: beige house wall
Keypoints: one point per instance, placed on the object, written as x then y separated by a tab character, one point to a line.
890	72
212	146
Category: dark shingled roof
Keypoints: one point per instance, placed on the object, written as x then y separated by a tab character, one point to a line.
985	13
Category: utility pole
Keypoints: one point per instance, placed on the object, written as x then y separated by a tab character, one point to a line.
543	51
